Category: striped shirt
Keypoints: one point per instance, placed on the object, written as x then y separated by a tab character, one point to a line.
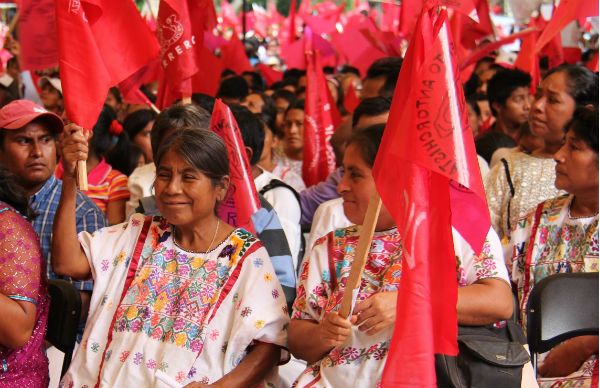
106	185
44	204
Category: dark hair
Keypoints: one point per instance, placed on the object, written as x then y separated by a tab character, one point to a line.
103	140
135	122
585	126
503	83
177	117
124	156
43	121
285	95
227	73
389	69
347	69
328	70
116	94
202	149
252	130
204	100
368	141
13	194
298	104
234	87
373	106
489	142
257	84
471	99
292	76
582	83
268	112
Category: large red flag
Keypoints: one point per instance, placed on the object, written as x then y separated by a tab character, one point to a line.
234	56
528	60
37	34
292	19
242	200
351	99
318	157
181	26
428	177
567	11
269	74
207	79
101	42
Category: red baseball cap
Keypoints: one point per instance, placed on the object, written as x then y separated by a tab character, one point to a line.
19	113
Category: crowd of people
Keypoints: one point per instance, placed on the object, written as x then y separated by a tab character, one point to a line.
172	295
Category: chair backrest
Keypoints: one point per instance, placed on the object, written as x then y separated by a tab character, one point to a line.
560	307
63	319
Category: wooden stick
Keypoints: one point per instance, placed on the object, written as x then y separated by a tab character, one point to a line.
13	23
82	181
362	252
186	100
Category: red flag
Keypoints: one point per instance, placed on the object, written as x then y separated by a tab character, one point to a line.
428	177
318	157
242	200
292	19
269	74
566	11
130	87
528	61
351	99
208	77
181	26
234	56
593	62
483	51
101	42
37	34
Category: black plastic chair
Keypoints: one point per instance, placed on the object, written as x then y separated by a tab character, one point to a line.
561	307
63	319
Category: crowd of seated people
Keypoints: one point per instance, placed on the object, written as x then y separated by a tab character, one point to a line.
172	295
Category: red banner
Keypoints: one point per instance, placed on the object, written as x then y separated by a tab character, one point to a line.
181	26
104	41
428	177
318	157
37	34
242	200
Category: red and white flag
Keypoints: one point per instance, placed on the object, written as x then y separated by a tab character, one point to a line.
318	157
181	26
101	43
428	177
241	201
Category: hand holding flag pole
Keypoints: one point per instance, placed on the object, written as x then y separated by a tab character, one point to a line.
360	259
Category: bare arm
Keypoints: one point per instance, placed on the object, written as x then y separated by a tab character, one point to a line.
254	367
68	258
484	302
115	212
310	341
17	320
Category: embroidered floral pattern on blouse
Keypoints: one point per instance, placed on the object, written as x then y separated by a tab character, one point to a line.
174	291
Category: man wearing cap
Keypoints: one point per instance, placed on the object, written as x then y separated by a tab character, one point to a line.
28	135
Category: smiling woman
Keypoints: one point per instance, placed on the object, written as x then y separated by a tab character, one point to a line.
560	235
185	296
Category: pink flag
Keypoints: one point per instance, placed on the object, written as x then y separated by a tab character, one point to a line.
242	200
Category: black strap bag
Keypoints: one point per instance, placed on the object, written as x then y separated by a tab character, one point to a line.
488	357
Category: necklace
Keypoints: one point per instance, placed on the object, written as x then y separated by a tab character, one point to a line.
209	246
580	217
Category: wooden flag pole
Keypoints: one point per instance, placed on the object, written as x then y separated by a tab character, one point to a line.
82	181
186	100
362	252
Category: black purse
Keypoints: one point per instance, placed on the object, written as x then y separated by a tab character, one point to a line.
488	357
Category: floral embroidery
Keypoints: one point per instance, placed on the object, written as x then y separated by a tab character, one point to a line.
135	222
268	277
214	334
192	373
246	312
104	265
180	377
258	262
124	355
351	355
174	292
259	324
95	347
138	358
151	364
275	293
163	366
